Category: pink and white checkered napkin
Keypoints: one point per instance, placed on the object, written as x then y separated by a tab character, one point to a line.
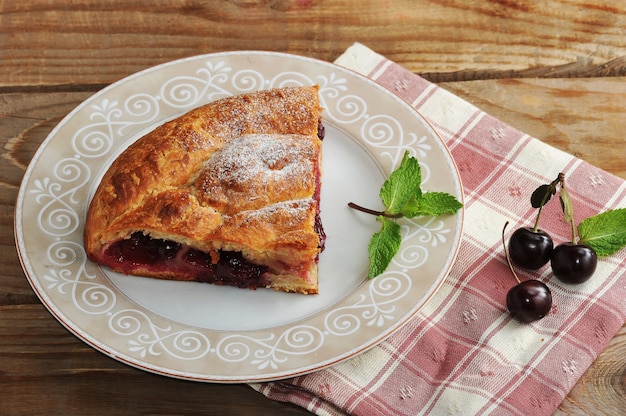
462	353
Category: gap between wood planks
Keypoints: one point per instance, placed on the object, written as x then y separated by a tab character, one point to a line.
582	68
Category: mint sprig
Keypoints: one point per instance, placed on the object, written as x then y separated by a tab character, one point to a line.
402	196
605	232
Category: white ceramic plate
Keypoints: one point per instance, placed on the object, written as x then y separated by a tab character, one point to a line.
210	333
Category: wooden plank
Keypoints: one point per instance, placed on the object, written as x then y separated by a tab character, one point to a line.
93	42
583	117
46	370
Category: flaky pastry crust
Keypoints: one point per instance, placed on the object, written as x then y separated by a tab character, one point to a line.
238	174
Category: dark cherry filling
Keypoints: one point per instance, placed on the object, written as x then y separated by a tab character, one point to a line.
321	130
321	133
225	267
319	229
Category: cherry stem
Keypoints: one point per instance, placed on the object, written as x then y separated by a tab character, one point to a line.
506	252
536	226
372	212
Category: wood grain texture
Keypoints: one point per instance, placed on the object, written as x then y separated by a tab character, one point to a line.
53	42
554	69
583	117
48	371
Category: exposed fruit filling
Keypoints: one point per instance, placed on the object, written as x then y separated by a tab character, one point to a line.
220	267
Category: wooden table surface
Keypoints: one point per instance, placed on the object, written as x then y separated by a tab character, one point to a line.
553	69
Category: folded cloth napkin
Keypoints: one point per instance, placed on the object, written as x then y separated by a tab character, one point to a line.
463	353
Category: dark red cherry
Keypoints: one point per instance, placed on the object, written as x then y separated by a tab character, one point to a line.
530	249
573	263
529	301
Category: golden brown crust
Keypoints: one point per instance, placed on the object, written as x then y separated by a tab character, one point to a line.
236	174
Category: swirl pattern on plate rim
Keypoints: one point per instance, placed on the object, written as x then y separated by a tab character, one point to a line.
70	275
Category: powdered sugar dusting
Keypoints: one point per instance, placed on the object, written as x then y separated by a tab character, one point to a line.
256	170
292	213
279	111
262	156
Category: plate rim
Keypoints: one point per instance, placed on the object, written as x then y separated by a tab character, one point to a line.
118	355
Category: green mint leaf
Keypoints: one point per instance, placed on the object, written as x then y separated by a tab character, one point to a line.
403	185
383	246
412	207
432	204
605	232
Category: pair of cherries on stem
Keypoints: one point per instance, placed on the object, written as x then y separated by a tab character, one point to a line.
532	248
571	263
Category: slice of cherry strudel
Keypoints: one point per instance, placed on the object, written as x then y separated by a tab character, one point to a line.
228	193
